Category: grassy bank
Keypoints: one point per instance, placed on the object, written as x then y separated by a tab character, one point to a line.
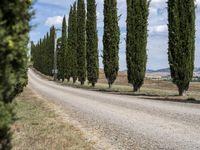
155	92
39	127
152	89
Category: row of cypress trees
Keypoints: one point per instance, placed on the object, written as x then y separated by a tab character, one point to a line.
181	28
82	54
77	49
43	52
14	27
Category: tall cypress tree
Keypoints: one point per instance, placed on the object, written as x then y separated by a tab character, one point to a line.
92	43
49	56
62	51
81	38
74	43
181	18
69	43
59	59
51	49
14	27
136	41
111	41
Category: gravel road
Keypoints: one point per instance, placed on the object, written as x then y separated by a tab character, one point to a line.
127	122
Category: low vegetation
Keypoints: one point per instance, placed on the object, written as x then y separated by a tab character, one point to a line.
39	126
157	89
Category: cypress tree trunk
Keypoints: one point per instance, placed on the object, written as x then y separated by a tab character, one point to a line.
111	41
181	18
92	43
81	38
136	41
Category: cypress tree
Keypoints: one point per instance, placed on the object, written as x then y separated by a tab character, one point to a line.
48	63
92	43
14	27
111	41
43	53
51	50
136	41
74	43
59	60
81	41
69	45
181	28
61	52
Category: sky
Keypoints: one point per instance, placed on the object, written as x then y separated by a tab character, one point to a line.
51	12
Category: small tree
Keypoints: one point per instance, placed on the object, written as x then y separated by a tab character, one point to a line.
92	43
111	41
81	38
181	18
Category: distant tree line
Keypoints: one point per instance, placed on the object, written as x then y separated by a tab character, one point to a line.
77	49
43	53
14	29
79	44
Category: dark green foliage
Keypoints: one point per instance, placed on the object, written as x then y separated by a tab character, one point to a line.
43	53
51	49
136	41
81	41
73	47
69	45
62	51
92	43
111	41
14	28
72	42
181	17
5	122
59	59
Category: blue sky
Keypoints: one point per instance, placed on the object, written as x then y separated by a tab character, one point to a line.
50	12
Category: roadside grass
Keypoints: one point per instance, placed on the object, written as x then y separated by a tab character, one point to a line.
152	89
156	91
39	127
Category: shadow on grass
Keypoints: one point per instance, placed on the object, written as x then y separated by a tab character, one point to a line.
187	100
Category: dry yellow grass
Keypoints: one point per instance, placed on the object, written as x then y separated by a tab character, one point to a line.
39	127
153	89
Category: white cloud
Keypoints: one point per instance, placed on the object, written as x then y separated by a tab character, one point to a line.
158	29
56	20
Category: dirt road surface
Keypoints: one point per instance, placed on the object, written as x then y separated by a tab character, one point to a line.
126	122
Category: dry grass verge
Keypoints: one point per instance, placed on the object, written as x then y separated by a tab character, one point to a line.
152	89
39	127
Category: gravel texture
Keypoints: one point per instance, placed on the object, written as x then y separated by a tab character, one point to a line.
127	122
